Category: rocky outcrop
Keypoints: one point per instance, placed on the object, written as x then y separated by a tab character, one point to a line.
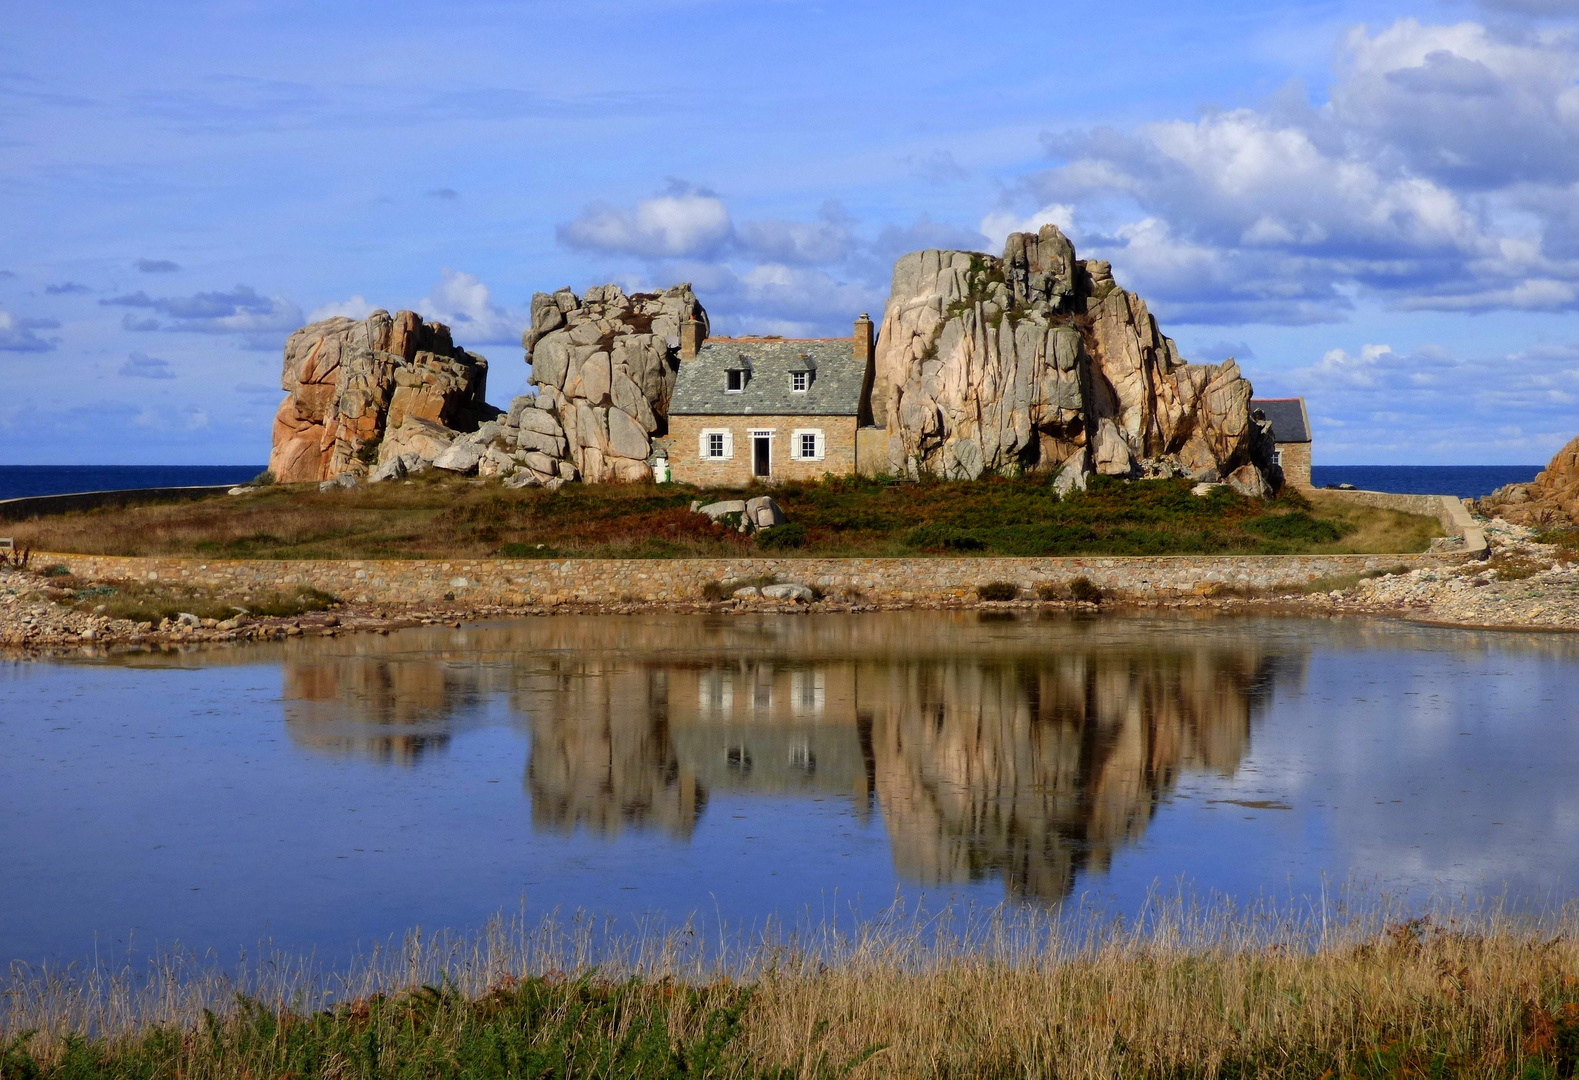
1039	361
603	367
360	393
1552	498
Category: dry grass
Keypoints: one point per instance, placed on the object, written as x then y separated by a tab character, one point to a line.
153	601
1182	993
1375	531
439	516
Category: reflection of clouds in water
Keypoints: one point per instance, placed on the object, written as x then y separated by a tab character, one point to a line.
1441	768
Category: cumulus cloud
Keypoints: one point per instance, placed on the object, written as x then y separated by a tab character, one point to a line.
142	366
1371	402
1440	174
759	275
354	307
463	302
18	335
156	266
242	310
683	222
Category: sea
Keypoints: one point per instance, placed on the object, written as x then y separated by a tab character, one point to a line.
18	481
1465	481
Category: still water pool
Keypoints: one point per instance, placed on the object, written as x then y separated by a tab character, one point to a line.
327	794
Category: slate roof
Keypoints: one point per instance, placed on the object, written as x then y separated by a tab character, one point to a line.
1289	420
835	388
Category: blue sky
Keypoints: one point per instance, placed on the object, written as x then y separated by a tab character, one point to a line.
1374	204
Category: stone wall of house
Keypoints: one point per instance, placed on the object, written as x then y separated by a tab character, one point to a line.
1294	459
550	582
687	465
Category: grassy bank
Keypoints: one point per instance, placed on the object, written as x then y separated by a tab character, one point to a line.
1236	995
437	516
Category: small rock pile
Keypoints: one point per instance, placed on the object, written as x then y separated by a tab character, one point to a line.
755	514
1523	583
1552	498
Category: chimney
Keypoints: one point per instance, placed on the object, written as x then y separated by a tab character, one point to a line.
690	338
863	339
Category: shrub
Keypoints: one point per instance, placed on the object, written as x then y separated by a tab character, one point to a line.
941	537
1048	591
782	537
1085	590
263	479
998	590
527	551
715	590
1298	526
57	570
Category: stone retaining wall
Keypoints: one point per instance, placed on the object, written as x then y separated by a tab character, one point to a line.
522	582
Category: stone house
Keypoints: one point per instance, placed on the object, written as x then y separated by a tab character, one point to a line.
765	408
1291	434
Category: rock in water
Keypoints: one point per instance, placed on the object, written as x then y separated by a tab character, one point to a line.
1038	360
350	383
603	366
1552	498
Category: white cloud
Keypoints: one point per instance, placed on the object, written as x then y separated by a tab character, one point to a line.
18	335
241	310
683	222
1440	174
997	225
463	302
354	307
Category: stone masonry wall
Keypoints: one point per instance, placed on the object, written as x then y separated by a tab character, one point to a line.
1294	458
598	581
687	465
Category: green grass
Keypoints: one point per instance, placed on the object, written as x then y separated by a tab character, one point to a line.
535	1027
440	516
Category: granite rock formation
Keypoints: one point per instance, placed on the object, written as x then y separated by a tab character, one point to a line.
1038	361
360	393
1552	498
603	366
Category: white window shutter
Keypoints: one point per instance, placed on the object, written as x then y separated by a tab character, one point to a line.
701	445
729	445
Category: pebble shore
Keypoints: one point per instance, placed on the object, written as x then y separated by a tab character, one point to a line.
1522	585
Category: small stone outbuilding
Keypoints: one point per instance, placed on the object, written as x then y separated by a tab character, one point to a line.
763	409
1291	435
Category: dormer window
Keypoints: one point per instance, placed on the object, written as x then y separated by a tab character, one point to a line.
799	380
734	380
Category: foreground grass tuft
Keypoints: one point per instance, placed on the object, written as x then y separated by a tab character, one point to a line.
439	516
1229	993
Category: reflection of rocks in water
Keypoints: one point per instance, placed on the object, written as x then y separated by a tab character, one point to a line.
1027	750
601	753
360	698
1035	770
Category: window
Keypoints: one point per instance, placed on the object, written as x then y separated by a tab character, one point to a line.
807	444
799	381
1277	458
716	444
735	381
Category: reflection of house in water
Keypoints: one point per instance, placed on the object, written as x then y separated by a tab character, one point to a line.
1024	763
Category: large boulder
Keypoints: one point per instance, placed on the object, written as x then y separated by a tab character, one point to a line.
1038	360
603	367
1552	498
349	383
